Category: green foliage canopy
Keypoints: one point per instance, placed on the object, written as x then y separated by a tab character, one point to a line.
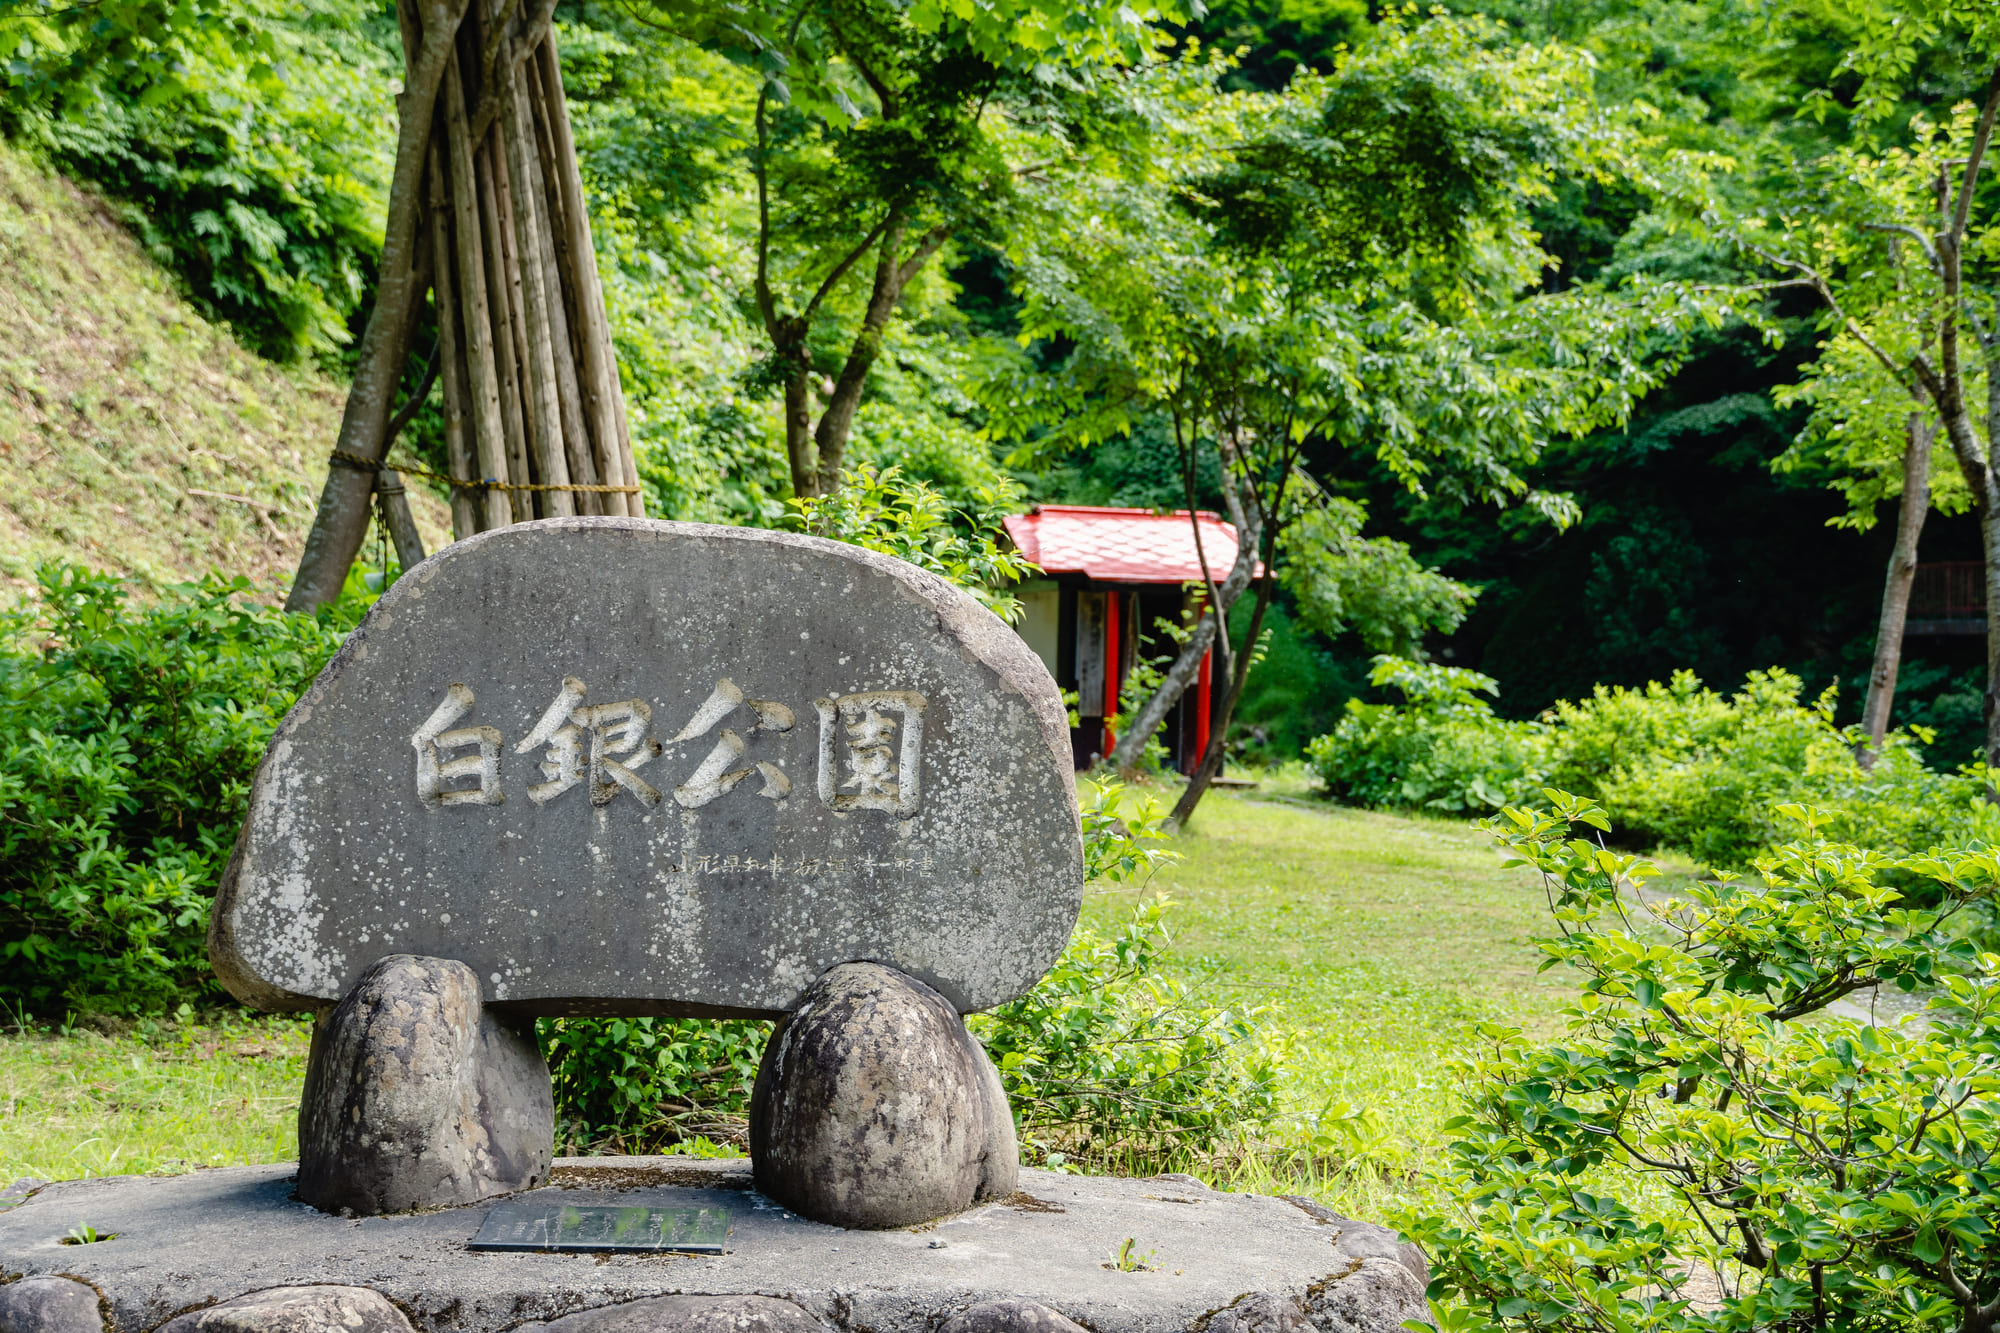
1669	763
1371	586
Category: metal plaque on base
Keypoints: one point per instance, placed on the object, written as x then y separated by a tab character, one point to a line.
632	1229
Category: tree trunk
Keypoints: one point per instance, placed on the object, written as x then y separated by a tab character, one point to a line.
393	511
1947	393
1989	535
1211	761
1124	756
562	301
1910	515
500	276
602	406
836	423
798	421
342	519
517	183
451	370
836	420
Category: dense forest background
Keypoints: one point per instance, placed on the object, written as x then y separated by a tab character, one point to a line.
248	144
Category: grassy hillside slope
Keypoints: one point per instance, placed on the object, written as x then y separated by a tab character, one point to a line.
135	436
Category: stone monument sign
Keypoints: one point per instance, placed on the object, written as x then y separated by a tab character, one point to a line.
630	767
614	766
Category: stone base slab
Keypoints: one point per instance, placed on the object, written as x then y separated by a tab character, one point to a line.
212	1236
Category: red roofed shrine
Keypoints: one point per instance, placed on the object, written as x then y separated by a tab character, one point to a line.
1111	575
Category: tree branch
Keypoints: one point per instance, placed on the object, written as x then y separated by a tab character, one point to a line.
1901	229
853	256
1811	277
766	305
933	238
1981	137
489	92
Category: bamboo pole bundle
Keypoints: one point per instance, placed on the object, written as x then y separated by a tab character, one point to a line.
490	197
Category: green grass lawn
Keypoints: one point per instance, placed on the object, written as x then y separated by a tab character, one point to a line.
182	1096
1369	941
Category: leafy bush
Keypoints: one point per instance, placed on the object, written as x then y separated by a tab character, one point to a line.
1707	1120
1110	1063
1443	749
1120	846
1671	764
637	1085
128	738
1107	1061
1684	766
901	516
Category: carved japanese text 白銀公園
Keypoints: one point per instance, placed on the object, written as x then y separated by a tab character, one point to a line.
868	756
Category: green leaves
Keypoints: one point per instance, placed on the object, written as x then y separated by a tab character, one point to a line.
1121	844
1722	778
1896	35
901	516
644	1084
1690	1120
1417	151
250	138
1347	267
1443	750
128	737
1033	35
1109	1061
1371	585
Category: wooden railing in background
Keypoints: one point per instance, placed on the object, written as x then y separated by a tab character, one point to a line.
1950	590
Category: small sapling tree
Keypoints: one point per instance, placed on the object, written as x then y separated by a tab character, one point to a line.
1898	247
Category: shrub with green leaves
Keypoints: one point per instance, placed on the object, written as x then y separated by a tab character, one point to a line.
1442	749
128	738
638	1085
1671	764
1112	1064
1108	1061
1709	1121
902	516
1684	766
1120	844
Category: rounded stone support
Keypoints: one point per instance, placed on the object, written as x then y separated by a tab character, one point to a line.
49	1305
417	1097
687	1314
875	1108
1010	1316
317	1309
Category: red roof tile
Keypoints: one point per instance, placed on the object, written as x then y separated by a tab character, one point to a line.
1122	545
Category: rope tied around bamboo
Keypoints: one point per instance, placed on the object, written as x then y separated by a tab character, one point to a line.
494	249
344	459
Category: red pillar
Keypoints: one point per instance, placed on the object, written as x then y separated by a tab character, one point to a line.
1201	691
1111	660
